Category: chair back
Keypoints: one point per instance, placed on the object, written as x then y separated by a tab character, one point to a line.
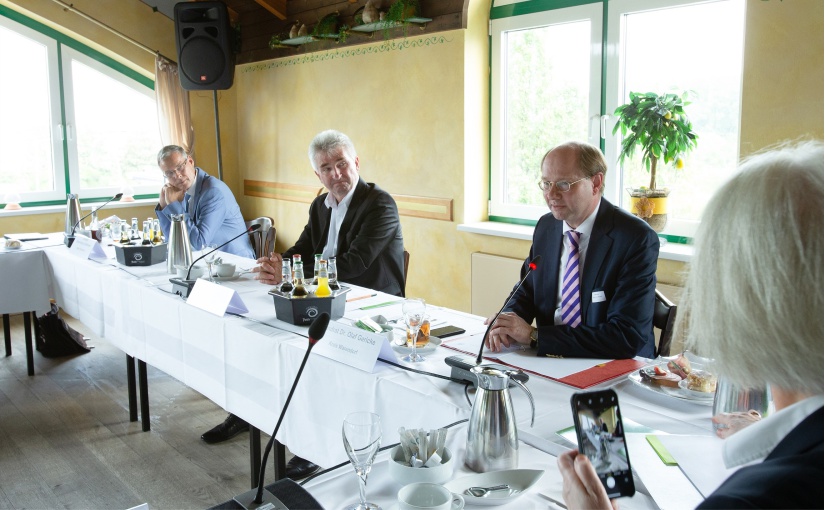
263	240
664	318
406	268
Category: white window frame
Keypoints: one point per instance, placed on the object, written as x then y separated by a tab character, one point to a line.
56	118
499	28
615	96
67	55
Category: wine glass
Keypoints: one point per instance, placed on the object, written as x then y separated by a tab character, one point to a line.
210	259
414	311
362	436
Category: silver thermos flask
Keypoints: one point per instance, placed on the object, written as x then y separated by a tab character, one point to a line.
179	251
72	212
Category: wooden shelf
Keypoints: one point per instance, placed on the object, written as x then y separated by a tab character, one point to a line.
385	25
297	41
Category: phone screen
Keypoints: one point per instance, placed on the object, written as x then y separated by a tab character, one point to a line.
600	433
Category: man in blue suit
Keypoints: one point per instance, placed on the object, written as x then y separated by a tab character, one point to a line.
593	292
212	214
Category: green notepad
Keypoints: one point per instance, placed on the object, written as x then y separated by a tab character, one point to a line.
661	451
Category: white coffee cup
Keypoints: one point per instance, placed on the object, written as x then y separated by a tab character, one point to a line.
225	270
428	496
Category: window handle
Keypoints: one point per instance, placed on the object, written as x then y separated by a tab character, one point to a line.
604	126
59	131
69	132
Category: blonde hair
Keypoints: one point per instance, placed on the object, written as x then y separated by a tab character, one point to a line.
754	296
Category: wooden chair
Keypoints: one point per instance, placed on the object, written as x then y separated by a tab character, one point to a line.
664	318
406	268
263	240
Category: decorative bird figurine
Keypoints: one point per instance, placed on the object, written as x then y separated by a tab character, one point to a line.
302	31
293	32
370	14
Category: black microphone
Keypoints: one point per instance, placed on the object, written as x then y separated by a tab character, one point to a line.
252	228
531	266
69	238
255	497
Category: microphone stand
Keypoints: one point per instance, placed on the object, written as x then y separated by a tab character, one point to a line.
531	266
184	286
68	239
257	498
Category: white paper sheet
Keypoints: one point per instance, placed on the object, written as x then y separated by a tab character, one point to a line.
667	485
700	458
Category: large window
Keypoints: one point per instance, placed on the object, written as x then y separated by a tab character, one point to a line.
72	119
650	46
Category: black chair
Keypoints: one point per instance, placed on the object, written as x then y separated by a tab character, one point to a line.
263	240
664	318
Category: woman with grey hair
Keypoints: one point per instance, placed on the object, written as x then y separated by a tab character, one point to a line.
759	250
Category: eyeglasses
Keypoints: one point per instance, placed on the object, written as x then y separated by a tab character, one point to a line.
177	170
562	186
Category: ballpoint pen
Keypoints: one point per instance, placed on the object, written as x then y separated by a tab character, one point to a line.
361	297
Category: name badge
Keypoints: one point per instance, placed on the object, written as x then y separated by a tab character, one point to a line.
598	296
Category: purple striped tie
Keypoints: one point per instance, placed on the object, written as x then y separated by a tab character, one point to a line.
570	296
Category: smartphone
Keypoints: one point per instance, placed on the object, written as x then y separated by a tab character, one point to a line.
600	434
446	331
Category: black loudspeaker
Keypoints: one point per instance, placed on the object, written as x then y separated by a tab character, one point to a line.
202	36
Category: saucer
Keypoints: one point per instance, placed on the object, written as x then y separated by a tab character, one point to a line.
429	348
223	278
520	481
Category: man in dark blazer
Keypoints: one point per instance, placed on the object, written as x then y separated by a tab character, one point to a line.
355	221
616	272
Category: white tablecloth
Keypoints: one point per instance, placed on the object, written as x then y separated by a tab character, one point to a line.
247	365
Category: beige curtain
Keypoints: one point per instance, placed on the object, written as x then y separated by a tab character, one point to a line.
173	106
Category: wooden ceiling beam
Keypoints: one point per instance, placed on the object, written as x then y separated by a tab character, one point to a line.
276	7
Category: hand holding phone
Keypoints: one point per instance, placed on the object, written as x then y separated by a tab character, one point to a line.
600	435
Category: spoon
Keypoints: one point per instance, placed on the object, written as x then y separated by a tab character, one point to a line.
482	492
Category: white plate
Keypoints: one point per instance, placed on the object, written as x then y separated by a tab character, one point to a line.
429	348
223	278
520	481
683	384
678	393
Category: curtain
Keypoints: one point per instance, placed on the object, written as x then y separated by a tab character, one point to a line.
173	106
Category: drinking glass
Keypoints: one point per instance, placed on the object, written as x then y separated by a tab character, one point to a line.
414	311
362	436
210	259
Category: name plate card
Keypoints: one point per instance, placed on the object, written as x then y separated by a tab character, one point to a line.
87	248
215	298
353	346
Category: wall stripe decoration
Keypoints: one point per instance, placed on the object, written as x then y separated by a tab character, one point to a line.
408	205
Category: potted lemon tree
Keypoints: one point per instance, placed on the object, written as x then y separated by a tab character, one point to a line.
659	127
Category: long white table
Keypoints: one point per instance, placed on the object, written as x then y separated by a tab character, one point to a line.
247	365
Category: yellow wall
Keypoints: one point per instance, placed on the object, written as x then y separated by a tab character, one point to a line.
782	86
418	114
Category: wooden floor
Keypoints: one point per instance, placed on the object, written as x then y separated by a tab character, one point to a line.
66	440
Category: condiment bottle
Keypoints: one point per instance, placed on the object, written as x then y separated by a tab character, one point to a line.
286	277
332	271
299	290
323	289
316	268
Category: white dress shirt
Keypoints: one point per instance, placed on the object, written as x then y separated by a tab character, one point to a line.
584	230
756	441
339	211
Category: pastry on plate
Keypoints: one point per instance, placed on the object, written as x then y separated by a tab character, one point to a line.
660	376
700	380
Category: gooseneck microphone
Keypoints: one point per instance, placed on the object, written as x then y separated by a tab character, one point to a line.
69	240
316	332
531	266
252	228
